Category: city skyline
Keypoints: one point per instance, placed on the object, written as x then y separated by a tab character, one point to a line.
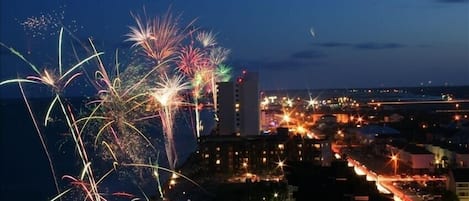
295	45
159	99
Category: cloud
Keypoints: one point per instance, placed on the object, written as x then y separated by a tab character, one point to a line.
308	54
334	44
280	65
377	46
363	46
452	1
425	46
284	64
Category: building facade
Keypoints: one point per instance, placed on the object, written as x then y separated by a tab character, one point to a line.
238	106
449	156
228	119
459	183
417	158
261	154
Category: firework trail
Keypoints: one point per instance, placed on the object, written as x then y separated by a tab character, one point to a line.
41	138
117	117
190	62
167	95
217	56
117	114
199	81
160	40
58	82
173	172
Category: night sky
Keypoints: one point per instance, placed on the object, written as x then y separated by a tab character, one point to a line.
360	43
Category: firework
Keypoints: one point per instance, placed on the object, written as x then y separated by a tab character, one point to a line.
207	39
57	82
115	123
140	35
218	55
223	73
168	97
47	24
199	81
159	38
117	114
190	60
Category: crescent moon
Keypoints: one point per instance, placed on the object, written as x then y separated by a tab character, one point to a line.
311	31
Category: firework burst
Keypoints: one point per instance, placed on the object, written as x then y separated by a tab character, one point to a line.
167	95
48	23
218	55
207	39
115	124
223	73
160	38
118	113
140	35
190	60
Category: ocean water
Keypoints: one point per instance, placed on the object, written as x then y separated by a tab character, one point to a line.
25	170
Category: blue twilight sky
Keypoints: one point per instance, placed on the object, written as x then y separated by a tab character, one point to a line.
359	43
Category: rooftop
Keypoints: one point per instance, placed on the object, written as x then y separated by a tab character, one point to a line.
461	174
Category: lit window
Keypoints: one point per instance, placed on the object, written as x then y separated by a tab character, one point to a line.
217	162
300	145
264	160
206	155
218	148
236	153
280	146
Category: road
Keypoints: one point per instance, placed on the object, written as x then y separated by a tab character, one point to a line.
385	185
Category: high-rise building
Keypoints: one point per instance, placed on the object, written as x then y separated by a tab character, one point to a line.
227	117
238	105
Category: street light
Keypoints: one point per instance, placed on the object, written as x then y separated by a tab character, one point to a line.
394	158
281	165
